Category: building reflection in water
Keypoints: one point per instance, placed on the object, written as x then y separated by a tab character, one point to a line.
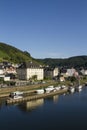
34	104
31	105
55	98
2	102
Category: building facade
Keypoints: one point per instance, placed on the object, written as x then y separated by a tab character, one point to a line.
51	72
28	70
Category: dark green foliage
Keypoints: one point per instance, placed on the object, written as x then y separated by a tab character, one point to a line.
77	62
72	79
27	53
14	55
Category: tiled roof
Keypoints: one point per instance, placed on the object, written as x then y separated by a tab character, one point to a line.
29	65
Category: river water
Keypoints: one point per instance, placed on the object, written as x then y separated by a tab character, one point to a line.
64	112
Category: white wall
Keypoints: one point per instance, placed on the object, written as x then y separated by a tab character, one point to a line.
35	71
55	72
6	78
1	71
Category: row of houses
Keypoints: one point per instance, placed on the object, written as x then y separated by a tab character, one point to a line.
7	71
26	71
29	70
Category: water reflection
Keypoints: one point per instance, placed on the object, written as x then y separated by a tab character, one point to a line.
2	102
69	112
55	98
34	104
31	105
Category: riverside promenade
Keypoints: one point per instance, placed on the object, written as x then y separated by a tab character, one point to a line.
4	92
37	96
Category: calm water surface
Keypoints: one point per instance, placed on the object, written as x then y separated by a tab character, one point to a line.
63	112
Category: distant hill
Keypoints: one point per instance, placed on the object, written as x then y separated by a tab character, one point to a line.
12	54
77	61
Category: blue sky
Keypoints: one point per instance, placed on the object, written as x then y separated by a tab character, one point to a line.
45	28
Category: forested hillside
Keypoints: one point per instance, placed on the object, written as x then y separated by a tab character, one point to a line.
12	54
77	61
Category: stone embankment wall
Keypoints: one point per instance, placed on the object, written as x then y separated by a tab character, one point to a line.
4	92
38	96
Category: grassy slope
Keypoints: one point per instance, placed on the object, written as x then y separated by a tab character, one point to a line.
12	54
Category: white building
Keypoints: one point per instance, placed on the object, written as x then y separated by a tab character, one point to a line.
27	70
84	72
70	72
6	78
51	72
55	71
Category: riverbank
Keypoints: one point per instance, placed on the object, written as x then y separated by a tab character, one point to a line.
37	96
4	92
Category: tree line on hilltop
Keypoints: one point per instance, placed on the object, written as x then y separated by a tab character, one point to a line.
76	62
14	55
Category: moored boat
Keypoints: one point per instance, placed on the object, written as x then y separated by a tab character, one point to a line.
79	88
57	88
16	93
40	91
49	89
63	86
71	89
17	97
